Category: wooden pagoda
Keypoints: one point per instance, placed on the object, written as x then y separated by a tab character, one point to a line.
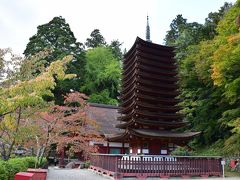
149	111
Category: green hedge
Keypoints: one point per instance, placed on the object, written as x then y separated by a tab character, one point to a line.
3	171
9	168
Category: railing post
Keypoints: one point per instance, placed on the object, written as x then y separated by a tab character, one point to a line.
164	166
223	164
185	165
117	175
116	164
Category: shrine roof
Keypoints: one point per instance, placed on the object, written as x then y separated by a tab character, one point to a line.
105	116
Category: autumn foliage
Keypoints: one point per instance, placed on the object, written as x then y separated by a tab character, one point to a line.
21	100
68	126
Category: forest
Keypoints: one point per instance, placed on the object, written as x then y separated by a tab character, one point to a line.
58	76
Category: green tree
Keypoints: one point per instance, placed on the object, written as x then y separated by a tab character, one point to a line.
96	39
226	76
115	45
58	40
202	102
213	19
209	74
56	36
102	76
176	28
191	35
183	34
18	102
227	25
32	66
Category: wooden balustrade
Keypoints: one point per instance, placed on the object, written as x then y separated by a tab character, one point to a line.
160	166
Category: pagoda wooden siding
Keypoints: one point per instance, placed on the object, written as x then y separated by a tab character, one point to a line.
149	87
148	98
120	166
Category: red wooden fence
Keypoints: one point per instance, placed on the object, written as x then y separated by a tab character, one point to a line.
156	166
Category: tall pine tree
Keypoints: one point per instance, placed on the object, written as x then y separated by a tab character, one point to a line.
58	40
96	39
56	36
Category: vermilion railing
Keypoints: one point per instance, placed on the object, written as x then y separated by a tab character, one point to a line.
161	166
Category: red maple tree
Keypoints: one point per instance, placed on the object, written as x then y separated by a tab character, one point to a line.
68	127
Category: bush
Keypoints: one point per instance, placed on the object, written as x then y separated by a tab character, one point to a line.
3	171
87	164
180	151
31	161
16	165
9	168
215	149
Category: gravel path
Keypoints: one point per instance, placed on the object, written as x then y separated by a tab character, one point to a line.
74	174
85	174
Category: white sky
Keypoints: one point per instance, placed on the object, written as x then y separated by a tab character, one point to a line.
117	19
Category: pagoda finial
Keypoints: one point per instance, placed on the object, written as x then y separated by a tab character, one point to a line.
148	31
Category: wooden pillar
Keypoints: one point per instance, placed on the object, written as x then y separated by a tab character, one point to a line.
108	150
141	146
122	149
61	160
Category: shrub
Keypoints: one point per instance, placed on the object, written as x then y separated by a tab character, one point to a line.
31	161
3	171
16	165
9	168
87	164
180	151
215	149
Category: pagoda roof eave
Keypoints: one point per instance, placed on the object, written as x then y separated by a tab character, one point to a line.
150	44
136	84
149	98
165	124
149	115
152	70
155	134
152	76
166	108
163	134
149	62
151	84
143	90
116	137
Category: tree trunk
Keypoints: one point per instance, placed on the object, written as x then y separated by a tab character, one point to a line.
43	148
3	151
14	138
42	155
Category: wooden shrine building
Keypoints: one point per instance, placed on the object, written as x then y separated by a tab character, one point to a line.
148	109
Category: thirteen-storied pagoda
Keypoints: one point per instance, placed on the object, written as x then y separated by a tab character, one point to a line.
149	111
